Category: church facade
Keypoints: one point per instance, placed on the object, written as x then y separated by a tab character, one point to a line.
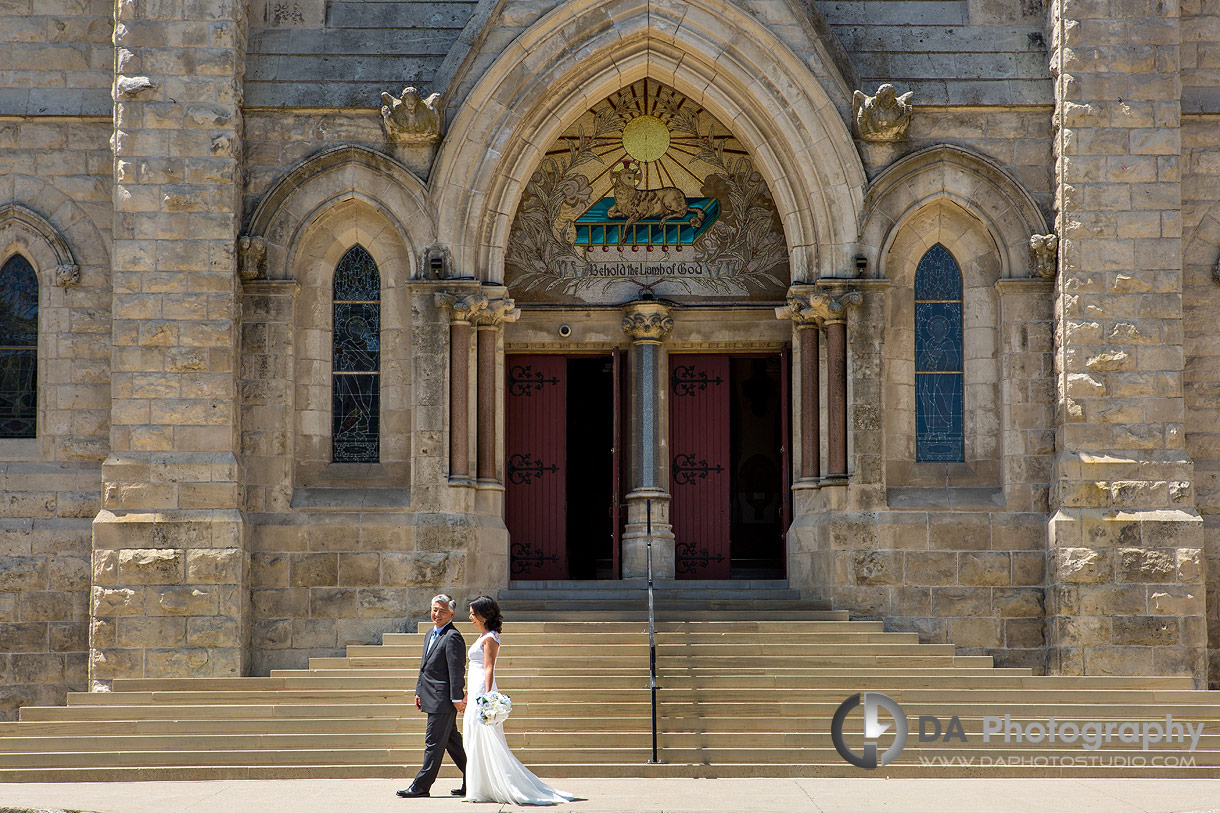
313	309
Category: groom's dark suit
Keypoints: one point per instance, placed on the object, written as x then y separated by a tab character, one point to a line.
442	682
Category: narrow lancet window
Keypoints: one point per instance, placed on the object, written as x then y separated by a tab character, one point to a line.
18	349
356	384
939	412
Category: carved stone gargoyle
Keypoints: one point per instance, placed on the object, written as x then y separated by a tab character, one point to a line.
251	257
884	117
411	119
67	275
1044	255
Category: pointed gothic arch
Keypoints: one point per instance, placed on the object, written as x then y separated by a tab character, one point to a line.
752	81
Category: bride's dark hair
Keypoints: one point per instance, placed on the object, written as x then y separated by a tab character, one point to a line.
488	611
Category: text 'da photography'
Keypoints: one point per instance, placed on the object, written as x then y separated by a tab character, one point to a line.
871	730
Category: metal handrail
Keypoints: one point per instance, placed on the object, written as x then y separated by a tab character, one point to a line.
652	639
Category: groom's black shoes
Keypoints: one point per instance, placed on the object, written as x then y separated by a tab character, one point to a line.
411	793
458	791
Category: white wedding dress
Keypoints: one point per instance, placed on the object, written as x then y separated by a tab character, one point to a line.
493	774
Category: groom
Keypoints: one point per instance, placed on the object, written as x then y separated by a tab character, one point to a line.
440	691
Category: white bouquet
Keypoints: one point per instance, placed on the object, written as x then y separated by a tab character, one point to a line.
494	708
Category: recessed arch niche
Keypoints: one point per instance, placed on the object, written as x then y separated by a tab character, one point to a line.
647	191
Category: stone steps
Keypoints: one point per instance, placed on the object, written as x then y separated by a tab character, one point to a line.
737	697
628	770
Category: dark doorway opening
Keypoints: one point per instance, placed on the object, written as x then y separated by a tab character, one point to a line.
756	442
590	467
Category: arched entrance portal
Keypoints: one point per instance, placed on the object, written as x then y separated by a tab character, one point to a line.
647	197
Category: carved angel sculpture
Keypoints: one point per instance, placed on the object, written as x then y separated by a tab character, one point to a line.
411	118
884	117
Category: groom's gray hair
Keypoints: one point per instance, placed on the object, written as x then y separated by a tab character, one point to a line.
444	599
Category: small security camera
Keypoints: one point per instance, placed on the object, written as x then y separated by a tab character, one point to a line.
565	331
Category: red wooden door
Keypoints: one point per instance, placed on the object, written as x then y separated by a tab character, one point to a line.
536	466
785	455
699	467
616	464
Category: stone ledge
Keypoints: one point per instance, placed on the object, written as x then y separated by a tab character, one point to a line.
349	499
960	498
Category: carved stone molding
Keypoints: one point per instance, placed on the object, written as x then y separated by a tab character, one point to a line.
67	275
647	321
1044	255
884	117
463	307
251	257
410	118
807	305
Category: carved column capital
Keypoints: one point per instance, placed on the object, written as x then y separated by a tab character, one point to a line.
1044	255
647	321
462	307
496	312
809	306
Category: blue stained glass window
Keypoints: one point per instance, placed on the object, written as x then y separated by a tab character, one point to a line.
18	349
939	406
356	385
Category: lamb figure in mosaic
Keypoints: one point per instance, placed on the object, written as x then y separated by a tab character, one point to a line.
635	204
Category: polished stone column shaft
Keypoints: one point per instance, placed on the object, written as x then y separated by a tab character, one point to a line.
836	397
811	407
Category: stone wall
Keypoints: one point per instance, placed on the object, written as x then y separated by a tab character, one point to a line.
294	41
937	48
56	58
321	581
56	63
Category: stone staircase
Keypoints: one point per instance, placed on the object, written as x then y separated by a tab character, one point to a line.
749	688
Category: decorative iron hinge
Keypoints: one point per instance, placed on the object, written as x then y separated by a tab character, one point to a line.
522	469
688	558
522	380
525	557
685	380
686	470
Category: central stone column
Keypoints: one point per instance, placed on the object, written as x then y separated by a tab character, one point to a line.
647	323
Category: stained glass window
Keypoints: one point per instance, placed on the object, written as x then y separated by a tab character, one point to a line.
356	384
18	348
939	411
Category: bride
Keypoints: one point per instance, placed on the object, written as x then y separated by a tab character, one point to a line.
493	774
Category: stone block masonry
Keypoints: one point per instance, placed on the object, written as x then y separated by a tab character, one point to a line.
1125	540
169	553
